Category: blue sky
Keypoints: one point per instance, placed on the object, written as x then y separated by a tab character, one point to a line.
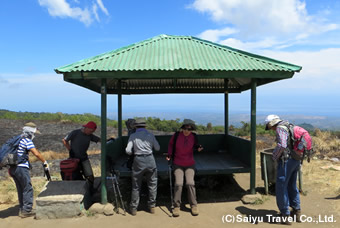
38	36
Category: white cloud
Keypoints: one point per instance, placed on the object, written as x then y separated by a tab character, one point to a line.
63	9
214	34
255	19
95	11
320	69
102	7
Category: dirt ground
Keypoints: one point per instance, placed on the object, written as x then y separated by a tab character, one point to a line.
320	207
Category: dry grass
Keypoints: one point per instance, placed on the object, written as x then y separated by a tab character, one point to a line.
8	191
325	144
321	176
51	155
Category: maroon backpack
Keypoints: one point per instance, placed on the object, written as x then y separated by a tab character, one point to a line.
68	168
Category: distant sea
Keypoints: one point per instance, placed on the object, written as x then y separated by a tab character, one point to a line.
217	118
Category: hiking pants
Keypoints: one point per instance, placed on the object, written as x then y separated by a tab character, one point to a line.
88	173
287	193
144	166
22	179
189	173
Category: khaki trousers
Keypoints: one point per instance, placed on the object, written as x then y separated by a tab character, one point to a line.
189	174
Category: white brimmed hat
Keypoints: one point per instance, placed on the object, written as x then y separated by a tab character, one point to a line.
33	127
271	120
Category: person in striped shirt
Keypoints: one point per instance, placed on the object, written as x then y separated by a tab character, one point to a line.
20	172
287	193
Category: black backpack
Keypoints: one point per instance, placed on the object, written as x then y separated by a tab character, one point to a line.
8	152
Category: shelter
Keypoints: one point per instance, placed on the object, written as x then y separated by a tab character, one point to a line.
178	64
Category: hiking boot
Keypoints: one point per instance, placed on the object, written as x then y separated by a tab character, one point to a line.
194	210
296	214
26	214
286	220
133	211
175	212
152	210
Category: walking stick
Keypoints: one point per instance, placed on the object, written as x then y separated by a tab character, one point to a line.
119	194
115	203
170	177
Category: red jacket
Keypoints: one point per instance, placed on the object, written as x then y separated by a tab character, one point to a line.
184	154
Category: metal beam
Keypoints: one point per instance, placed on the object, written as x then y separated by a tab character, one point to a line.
253	137
103	141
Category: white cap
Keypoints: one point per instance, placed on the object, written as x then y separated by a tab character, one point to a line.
271	120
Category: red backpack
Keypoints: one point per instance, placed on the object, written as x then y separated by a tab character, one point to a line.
69	168
300	141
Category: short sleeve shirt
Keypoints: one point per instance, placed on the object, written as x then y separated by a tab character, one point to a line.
25	145
80	143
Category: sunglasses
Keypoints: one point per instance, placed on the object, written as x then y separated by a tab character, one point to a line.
188	129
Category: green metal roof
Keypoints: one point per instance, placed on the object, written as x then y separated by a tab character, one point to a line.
176	64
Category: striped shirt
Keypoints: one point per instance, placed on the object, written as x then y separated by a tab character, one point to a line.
282	142
25	145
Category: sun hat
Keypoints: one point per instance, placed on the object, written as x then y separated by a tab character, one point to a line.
32	127
271	120
140	122
91	125
190	123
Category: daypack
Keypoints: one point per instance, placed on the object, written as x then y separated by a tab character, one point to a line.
300	141
69	169
8	152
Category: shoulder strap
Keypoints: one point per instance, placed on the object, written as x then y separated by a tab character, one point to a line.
196	138
174	145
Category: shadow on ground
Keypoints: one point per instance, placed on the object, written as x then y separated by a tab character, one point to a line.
256	216
209	189
12	211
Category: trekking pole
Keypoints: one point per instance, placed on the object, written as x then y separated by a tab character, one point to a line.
115	203
170	177
119	194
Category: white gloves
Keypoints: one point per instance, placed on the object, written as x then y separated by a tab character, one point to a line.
46	166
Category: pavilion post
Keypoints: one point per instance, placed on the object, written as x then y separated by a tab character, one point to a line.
253	137
103	92
226	108
120	119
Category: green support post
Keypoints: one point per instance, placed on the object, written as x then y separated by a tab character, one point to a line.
120	119
226	108
103	141
253	137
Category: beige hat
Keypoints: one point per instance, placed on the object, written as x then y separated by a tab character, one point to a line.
271	120
32	125
140	122
190	123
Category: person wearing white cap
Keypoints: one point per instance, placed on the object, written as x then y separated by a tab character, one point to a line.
20	173
287	193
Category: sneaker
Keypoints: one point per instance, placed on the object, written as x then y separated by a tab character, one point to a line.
296	214
133	211
194	210
152	210
26	214
175	212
